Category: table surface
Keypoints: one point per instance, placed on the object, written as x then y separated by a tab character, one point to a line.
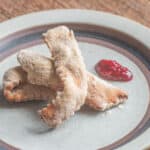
138	10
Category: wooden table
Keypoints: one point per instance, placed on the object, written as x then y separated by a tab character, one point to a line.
138	10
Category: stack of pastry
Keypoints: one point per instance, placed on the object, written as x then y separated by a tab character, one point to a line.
61	78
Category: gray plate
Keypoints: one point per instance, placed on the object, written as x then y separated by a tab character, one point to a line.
100	35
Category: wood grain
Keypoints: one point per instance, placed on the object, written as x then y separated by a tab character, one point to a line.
138	10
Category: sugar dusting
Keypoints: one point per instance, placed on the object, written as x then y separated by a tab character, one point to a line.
121	106
108	112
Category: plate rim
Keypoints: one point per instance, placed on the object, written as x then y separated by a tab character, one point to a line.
132	28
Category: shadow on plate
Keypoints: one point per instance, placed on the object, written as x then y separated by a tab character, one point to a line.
32	107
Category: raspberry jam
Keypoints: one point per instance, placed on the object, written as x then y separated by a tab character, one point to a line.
112	70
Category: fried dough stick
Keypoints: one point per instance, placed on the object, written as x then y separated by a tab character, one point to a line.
101	95
41	72
17	88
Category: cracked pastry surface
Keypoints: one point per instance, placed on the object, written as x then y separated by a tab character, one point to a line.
40	69
17	89
59	78
101	95
16	85
71	71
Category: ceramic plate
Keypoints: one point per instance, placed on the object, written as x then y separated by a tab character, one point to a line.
100	35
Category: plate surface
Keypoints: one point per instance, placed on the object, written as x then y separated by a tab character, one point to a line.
104	36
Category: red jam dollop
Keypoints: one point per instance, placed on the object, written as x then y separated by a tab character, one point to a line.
112	70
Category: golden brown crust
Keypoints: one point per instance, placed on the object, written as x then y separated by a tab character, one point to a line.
63	78
17	89
100	96
97	97
70	69
40	69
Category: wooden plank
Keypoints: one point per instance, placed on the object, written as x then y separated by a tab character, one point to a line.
138	10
